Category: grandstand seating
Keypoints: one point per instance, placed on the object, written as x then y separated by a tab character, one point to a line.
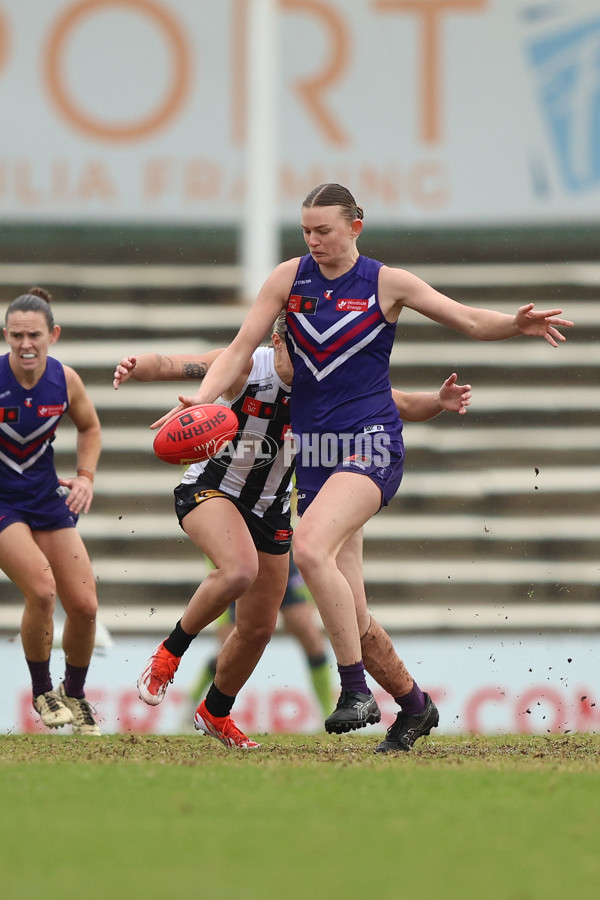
499	507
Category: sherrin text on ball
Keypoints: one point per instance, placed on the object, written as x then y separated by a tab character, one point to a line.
195	434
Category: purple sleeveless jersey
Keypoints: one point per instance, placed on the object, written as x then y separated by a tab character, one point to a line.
340	344
29	417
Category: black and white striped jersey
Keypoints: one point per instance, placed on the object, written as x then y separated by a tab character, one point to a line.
258	465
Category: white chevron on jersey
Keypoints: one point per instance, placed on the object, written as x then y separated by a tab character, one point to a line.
333	329
25	439
319	374
21	467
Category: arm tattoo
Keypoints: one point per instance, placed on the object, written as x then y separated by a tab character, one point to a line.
167	359
195	371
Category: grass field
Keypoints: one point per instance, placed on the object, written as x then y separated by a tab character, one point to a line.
304	817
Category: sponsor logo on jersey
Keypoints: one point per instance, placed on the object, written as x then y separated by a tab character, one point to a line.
259	408
263	387
46	412
28	402
9	413
368	429
362	462
298	303
283	534
350	305
328	294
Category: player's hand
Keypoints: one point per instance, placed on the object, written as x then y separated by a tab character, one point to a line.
455	397
123	371
185	402
81	493
541	323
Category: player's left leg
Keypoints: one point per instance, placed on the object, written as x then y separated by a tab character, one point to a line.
225	625
331	522
418	713
76	588
30	571
255	621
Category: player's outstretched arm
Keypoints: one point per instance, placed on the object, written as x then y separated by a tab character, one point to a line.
399	288
163	367
419	406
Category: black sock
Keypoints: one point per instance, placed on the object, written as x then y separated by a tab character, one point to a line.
178	641
315	661
218	704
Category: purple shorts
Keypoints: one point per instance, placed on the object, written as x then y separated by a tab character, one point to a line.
385	470
45	514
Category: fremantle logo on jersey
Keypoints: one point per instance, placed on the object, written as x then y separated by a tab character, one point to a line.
9	414
300	304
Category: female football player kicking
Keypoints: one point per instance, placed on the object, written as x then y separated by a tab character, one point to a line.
236	509
342	309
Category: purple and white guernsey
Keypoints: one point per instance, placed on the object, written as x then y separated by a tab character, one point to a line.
341	344
29	418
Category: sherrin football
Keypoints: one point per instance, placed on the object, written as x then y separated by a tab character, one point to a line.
195	434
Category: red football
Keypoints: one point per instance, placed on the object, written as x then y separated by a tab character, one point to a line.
195	434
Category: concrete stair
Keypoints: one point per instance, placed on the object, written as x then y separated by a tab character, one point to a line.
498	507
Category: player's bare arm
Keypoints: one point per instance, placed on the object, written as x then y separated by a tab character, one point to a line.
419	406
399	288
82	413
271	300
164	367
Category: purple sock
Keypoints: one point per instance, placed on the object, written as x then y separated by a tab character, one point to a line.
40	676
412	703
74	680
353	678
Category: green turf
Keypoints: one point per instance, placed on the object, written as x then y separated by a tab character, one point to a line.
312	817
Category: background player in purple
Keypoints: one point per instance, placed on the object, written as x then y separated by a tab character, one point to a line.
342	309
40	549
